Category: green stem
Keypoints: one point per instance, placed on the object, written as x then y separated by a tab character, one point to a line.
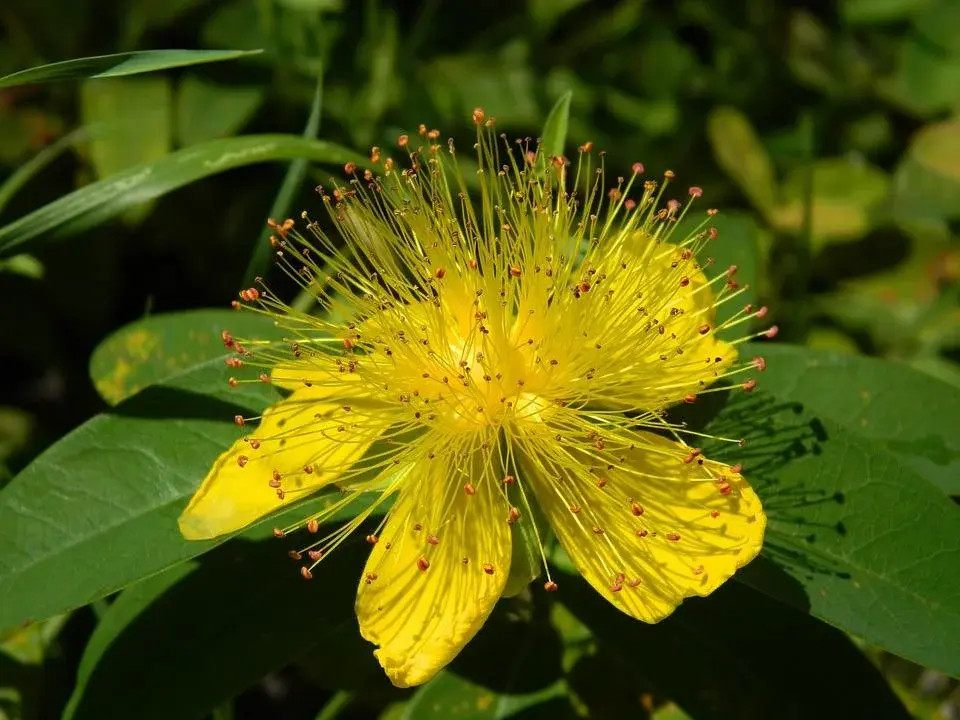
340	700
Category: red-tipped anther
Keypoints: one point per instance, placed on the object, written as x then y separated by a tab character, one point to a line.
242	460
253	442
635	582
637	509
348	343
509	479
584	287
694	454
439	273
703	329
308	469
725	487
513	514
264	378
313	526
749	385
403	140
278	533
772	332
686	253
712	211
314	555
690	398
712	233
370	577
479	116
232	382
372	539
759	363
586	147
637	168
227	339
274	482
714	514
575	508
559	161
673	537
294	555
601	482
423	563
375	154
736	469
669	174
630	203
731	271
469	489
550	586
684	281
350	168
233	362
761	312
642	533
488	568
695	192
472	264
515	271
616	587
305	572
433	540
597	530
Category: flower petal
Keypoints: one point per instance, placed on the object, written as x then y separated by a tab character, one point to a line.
648	524
436	571
302	444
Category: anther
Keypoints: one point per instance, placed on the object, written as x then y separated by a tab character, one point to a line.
759	363
601	482
242	460
597	530
479	116
294	555
433	540
515	271
439	273
714	514
305	572
575	508
550	586
509	479
254	443
637	168
488	568
472	264
314	555
232	382
636	509
771	332
350	168
313	526
695	192
749	385
372	539
642	533
423	563
278	533
370	577
690	398
703	329
264	378
348	344
673	537
513	515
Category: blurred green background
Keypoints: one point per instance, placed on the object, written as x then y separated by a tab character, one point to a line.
828	133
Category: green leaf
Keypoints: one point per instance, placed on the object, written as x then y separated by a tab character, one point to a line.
149	351
926	80
129	63
736	654
98	510
927	180
880	11
96	203
36	164
133	119
740	153
206	111
553	138
263	252
845	203
249	613
856	535
912	416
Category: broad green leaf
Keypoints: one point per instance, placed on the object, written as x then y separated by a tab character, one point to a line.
926	80
248	613
98	510
735	654
938	23
845	203
133	119
740	153
262	253
912	416
96	203
553	137
149	351
206	110
129	63
856	535
927	180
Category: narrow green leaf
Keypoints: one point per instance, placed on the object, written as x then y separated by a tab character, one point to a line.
260	259
553	139
96	203
129	63
98	510
737	654
856	536
154	349
32	167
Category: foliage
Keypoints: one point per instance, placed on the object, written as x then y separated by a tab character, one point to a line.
135	182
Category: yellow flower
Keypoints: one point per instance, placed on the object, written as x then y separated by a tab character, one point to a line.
478	361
